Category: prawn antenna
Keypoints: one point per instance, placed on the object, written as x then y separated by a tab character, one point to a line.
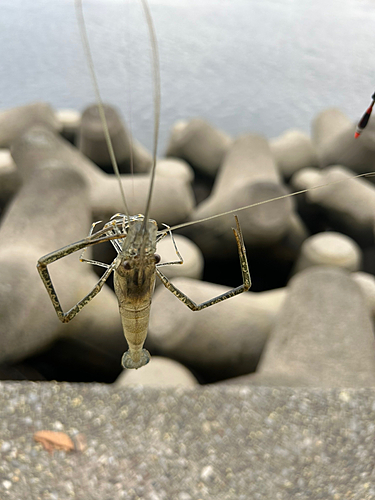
157	99
90	62
365	119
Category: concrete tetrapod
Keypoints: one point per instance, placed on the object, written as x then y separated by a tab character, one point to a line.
248	175
172	199
15	121
329	248
159	372
323	336
51	210
193	264
292	151
223	340
333	136
349	206
10	180
70	120
91	141
199	143
366	282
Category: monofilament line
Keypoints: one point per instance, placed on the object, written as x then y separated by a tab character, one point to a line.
90	62
235	210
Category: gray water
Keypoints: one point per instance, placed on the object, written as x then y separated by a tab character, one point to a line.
246	65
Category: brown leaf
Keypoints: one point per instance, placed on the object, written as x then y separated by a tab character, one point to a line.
52	440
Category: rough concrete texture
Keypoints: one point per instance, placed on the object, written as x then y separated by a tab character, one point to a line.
222	443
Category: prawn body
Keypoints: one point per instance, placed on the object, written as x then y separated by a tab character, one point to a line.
134	283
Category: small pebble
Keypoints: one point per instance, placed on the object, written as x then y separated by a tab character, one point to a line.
207	474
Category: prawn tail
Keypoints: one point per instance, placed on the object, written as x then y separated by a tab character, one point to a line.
135	359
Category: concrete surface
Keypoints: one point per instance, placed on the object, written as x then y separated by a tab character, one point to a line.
207	443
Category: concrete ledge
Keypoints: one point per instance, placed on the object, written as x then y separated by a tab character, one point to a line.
204	443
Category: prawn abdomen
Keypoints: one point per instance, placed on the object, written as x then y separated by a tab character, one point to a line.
134	305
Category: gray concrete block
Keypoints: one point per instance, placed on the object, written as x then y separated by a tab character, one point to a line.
70	121
193	264
159	372
174	167
327	125
333	135
92	143
248	175
10	180
15	121
323	336
292	151
366	282
349	205
199	143
211	443
51	210
329	248
172	198
225	339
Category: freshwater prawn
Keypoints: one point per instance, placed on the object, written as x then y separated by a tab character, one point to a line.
135	237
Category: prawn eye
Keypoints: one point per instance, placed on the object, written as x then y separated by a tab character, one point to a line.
157	258
126	265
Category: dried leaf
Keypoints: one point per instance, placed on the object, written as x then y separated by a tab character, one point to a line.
52	440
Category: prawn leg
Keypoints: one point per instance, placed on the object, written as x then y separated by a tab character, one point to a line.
43	262
231	293
180	259
111	226
90	261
